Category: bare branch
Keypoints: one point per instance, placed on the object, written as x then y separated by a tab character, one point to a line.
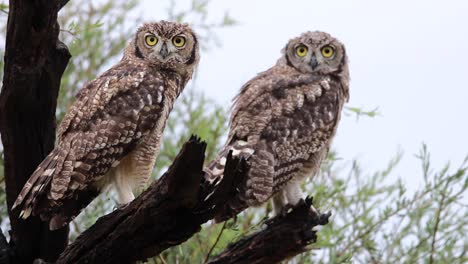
283	238
169	212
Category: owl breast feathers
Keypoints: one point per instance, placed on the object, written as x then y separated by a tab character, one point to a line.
284	120
112	132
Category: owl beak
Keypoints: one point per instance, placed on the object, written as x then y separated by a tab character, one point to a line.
313	62
164	52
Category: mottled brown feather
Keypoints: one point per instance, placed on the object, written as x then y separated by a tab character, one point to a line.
284	119
117	117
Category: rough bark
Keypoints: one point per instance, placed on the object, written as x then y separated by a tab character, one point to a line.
34	63
283	238
173	209
169	212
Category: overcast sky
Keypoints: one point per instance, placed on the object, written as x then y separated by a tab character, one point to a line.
408	58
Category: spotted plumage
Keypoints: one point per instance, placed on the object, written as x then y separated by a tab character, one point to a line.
283	121
112	132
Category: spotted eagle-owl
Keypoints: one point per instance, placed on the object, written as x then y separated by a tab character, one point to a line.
112	133
284	120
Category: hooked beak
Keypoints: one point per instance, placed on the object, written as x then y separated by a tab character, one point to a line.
313	62
164	52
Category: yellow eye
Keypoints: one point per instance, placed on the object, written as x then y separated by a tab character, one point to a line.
328	51
151	40
301	51
178	41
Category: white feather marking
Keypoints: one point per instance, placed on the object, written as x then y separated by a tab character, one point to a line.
248	151
242	142
294	133
26	213
222	161
325	84
217	171
159	99
235	152
49	172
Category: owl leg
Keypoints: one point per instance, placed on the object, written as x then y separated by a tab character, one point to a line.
279	202
287	198
293	192
123	186
294	195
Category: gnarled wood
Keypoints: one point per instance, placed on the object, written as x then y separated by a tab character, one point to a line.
283	238
34	63
169	212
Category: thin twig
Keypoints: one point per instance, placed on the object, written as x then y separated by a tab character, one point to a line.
436	228
73	34
162	259
216	242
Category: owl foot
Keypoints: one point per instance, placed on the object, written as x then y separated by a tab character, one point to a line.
281	214
285	210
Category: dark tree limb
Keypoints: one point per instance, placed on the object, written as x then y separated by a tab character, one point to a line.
173	209
5	251
169	212
34	63
283	238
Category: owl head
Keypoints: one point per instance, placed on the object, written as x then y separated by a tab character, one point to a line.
166	45
316	52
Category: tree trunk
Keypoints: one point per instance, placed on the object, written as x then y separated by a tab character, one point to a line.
34	63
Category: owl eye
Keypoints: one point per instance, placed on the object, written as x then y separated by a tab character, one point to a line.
151	40
178	41
301	51
328	51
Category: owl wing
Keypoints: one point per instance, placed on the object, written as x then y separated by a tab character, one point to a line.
253	105
299	137
104	124
283	127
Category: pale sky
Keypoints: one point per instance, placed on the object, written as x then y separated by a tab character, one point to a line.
408	58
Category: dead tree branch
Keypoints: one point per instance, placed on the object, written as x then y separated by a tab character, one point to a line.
173	209
283	238
169	212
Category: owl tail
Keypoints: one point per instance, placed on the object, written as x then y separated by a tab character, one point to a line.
257	186
215	170
39	182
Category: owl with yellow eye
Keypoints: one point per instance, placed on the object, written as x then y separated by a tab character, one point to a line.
283	122
110	136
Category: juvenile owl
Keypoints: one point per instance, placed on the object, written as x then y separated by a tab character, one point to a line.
112	132
284	120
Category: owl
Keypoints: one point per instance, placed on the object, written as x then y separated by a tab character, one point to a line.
112	132
283	122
